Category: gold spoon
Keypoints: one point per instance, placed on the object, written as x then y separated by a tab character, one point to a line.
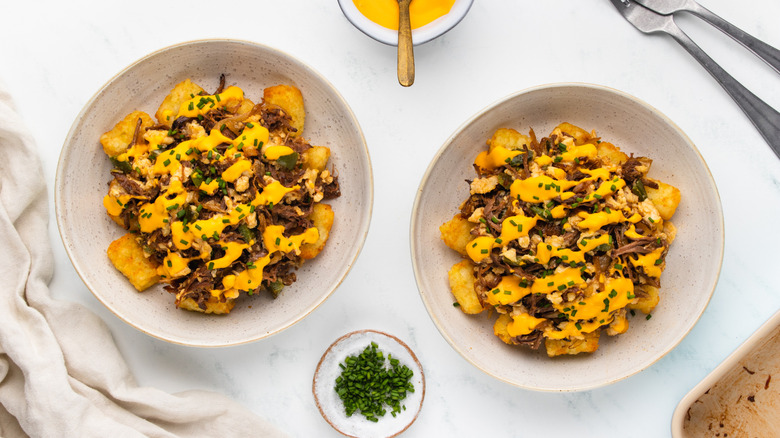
405	46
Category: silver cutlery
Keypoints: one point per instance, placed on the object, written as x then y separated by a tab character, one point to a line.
763	116
769	54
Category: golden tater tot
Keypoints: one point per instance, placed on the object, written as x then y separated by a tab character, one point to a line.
118	139
128	257
462	284
290	99
322	217
456	233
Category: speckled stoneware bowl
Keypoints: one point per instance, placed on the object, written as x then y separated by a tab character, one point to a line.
421	35
332	408
83	174
692	265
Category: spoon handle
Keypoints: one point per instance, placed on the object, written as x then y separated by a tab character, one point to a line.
405	46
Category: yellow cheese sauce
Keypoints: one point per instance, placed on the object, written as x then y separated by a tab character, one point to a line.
547	235
523	324
495	158
385	12
115	204
539	188
651	263
200	105
204	207
512	228
247	280
543	188
616	293
595	221
568	277
545	251
156	215
572	330
510	290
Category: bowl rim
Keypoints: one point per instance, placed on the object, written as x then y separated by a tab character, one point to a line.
421	35
416	209
68	241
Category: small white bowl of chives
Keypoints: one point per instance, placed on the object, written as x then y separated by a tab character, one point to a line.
331	367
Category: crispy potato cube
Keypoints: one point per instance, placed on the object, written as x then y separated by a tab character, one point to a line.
619	325
610	152
322	216
558	347
580	135
462	284
499	328
316	158
169	108
245	107
647	303
128	257
670	230
117	220
213	305
456	233
509	139
118	139
290	99
666	198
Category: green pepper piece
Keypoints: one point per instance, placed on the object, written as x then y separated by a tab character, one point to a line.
124	166
288	162
638	188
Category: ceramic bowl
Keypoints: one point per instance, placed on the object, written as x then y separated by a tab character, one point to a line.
332	408
83	174
421	35
692	265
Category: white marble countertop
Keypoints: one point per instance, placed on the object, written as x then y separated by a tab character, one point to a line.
55	55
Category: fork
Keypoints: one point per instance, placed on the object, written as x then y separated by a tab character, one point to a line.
763	116
767	53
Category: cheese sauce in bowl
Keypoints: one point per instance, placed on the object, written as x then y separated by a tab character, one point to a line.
379	18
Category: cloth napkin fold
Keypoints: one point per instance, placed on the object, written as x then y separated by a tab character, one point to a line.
61	374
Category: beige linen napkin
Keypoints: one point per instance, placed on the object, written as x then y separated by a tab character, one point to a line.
61	374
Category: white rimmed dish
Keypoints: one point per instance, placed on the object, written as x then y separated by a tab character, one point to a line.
739	397
83	174
693	263
332	408
421	35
